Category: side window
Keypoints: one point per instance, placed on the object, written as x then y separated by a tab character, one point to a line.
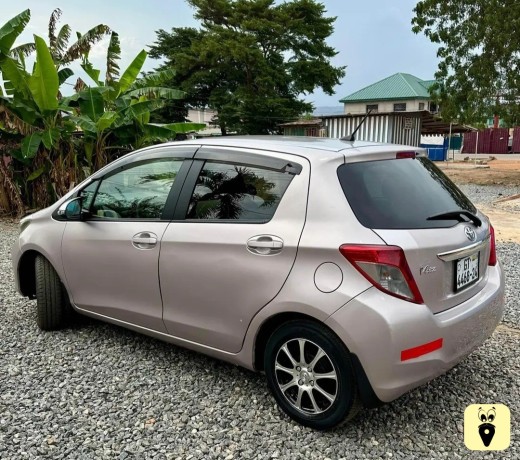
88	194
237	192
139	192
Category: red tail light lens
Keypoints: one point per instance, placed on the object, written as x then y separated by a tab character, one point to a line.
492	247
386	268
400	155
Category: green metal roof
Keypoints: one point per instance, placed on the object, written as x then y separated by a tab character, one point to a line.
396	87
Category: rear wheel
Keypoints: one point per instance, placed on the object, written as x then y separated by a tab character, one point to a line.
53	307
309	372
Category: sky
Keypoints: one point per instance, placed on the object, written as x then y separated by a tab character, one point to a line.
373	37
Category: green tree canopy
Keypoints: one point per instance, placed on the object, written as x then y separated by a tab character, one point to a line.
479	52
252	60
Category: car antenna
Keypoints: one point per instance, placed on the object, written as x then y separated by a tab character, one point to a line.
352	137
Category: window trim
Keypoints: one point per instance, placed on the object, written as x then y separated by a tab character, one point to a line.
230	155
171	200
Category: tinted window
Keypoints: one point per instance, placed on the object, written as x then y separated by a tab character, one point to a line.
138	192
398	194
237	192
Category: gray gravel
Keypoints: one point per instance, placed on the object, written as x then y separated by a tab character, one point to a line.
488	194
99	391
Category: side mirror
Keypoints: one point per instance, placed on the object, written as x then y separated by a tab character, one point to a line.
73	210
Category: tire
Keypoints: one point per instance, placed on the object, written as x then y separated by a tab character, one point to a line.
52	304
300	379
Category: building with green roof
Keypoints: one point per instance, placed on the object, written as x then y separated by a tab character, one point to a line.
400	92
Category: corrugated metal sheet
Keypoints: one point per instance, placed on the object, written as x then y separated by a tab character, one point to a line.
397	86
390	128
499	141
376	128
484	141
406	130
516	140
470	141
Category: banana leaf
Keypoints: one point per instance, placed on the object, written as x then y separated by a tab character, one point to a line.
30	145
10	31
130	74
44	82
35	174
156	91
51	137
91	103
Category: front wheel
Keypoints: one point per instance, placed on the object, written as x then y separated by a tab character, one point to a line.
53	307
309	372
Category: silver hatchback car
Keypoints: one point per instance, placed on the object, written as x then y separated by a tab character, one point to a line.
349	272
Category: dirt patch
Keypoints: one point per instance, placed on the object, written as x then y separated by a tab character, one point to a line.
500	172
505	222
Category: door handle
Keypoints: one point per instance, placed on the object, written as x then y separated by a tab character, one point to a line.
144	240
265	245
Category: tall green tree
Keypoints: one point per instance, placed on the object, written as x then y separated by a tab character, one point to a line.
479	53
252	60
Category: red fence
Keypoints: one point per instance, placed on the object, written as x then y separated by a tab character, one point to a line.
515	148
491	141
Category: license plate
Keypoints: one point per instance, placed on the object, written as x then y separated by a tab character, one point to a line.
467	271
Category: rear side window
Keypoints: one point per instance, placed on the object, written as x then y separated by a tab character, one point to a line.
400	193
237	192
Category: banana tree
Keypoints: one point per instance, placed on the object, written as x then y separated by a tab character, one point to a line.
32	107
114	115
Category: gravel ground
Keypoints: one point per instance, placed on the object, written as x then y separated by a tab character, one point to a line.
488	194
508	252
99	391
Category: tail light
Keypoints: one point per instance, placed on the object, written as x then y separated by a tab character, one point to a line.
492	247
401	155
386	268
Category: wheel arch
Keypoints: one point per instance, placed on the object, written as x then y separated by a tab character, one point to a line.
269	326
366	393
27	273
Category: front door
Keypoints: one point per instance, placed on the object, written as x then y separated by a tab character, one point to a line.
233	244
111	260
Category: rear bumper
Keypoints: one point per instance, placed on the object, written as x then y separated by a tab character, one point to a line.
377	328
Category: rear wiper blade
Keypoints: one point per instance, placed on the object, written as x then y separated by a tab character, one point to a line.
460	215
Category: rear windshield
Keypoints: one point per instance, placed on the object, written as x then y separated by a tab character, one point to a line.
401	193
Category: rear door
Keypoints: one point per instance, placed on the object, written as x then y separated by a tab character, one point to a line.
232	243
397	198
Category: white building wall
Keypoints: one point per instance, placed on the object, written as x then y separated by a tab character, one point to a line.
384	106
201	116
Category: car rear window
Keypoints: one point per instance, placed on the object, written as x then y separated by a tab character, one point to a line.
401	193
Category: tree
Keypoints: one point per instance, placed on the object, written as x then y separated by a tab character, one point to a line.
479	68
39	128
252	60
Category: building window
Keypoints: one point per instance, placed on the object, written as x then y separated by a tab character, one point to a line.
401	107
433	107
421	105
372	108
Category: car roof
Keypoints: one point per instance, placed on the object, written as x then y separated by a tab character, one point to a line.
312	148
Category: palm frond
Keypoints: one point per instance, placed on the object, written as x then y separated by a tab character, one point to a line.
23	50
84	43
154	79
53	21
113	55
62	40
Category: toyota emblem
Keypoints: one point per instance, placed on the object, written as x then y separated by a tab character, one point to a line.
470	233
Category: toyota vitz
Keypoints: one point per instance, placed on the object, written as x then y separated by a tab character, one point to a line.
349	272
